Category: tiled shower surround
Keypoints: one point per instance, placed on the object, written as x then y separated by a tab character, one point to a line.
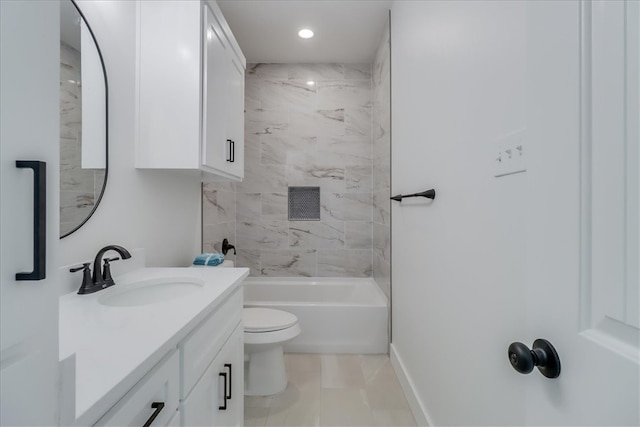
299	133
381	82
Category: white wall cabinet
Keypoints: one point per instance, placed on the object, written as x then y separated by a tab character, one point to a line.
190	89
223	106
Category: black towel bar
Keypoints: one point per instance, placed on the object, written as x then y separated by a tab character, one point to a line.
429	194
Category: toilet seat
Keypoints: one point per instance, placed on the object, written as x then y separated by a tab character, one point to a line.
268	326
260	320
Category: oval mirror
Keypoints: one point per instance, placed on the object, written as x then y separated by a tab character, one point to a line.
83	120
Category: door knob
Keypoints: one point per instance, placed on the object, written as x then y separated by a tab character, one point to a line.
543	355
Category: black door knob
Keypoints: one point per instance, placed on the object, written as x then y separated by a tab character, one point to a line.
543	355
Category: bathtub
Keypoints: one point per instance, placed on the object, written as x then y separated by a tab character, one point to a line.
336	315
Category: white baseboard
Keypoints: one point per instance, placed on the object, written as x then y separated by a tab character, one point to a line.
323	348
417	407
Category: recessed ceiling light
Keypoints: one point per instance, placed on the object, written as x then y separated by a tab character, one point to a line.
311	83
305	33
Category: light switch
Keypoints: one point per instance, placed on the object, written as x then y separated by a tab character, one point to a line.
510	155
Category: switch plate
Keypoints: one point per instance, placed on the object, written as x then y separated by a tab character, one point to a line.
510	155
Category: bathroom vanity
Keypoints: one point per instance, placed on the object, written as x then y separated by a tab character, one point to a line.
163	347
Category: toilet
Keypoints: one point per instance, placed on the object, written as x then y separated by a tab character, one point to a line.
265	332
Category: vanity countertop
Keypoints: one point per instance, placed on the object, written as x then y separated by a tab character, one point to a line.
115	346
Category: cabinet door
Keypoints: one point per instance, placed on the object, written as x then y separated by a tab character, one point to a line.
235	122
169	92
232	363
218	397
215	149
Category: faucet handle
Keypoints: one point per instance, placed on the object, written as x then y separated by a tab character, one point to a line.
84	266
106	271
87	283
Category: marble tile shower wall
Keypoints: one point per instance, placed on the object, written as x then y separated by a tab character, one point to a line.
218	216
302	134
79	187
381	81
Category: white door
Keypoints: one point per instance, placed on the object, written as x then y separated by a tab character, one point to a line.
29	129
582	244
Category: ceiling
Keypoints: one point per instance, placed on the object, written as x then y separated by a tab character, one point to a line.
346	31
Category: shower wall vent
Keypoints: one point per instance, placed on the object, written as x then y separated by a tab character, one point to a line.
304	203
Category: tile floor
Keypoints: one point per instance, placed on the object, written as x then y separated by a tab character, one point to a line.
333	390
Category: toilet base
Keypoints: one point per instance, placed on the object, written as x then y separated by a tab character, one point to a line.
265	373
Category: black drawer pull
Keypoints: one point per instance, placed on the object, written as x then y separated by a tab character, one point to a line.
224	395
39	219
158	406
228	365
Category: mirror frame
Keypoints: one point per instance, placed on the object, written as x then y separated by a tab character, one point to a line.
106	137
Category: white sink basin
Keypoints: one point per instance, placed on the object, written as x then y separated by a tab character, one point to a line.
150	291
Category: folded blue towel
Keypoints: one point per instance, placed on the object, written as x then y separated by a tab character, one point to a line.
210	260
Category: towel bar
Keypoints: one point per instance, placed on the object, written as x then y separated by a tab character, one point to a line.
429	194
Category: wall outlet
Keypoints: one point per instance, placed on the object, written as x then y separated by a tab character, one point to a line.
510	155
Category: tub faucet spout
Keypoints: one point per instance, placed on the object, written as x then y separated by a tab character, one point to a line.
226	247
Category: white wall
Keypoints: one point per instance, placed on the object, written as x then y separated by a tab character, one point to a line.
458	85
158	211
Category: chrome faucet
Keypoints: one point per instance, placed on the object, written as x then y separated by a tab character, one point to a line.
99	280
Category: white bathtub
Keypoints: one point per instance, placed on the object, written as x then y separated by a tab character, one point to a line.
336	315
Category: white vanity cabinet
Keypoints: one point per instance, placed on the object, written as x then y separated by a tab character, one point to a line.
179	358
153	401
212	390
218	397
190	89
201	383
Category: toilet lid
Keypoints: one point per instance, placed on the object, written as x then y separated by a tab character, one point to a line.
267	319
